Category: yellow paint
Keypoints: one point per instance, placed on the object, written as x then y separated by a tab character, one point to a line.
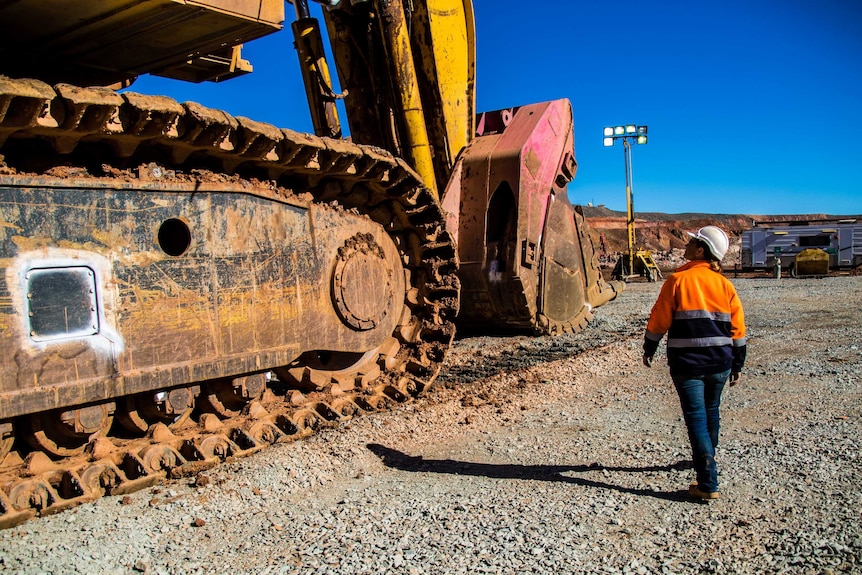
417	146
453	51
10	225
114	238
25	244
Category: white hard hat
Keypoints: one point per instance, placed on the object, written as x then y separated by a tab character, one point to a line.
713	237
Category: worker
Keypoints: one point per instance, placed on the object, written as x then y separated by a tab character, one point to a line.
700	312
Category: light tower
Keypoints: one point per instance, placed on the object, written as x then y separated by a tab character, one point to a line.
628	133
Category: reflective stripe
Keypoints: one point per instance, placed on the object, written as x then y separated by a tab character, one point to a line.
653	336
699	342
701	314
739	342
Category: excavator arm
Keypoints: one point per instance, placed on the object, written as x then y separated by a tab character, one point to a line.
407	70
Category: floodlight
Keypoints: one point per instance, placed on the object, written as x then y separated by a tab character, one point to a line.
629	134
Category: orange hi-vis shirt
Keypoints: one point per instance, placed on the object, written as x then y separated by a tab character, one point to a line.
702	316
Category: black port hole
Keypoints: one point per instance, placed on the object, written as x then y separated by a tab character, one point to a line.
174	237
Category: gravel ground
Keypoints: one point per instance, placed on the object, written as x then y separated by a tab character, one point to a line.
530	455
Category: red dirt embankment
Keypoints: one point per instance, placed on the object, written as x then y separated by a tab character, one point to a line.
664	233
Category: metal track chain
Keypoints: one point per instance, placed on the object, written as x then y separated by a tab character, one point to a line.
367	179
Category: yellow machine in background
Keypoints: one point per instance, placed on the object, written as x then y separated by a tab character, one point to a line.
635	264
811	262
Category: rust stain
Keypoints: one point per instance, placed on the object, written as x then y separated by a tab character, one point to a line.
160	202
113	238
143	258
532	162
32	244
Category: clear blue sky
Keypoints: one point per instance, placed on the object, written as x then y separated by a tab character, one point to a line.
752	106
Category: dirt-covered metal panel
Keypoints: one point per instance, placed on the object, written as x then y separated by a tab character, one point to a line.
109	289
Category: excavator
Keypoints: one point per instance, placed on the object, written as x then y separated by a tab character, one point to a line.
181	286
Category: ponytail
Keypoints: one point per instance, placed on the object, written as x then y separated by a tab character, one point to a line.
714	262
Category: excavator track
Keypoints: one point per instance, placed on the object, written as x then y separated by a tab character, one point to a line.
66	137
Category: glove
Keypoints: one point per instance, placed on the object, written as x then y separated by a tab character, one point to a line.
650	347
734	378
738	359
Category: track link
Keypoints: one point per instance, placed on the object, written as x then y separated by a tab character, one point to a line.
155	138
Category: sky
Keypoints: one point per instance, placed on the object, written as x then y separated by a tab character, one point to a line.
751	105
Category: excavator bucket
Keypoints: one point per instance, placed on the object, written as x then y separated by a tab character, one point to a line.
527	261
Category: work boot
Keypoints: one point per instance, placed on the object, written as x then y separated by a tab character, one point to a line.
695	492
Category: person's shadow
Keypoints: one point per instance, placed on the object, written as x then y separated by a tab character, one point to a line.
399	460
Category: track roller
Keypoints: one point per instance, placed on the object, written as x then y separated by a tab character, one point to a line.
63	433
227	398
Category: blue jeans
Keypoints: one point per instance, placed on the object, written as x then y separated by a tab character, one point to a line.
700	398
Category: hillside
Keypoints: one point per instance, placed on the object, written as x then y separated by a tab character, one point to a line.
665	235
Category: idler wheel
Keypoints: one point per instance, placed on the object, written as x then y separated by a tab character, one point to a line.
63	433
